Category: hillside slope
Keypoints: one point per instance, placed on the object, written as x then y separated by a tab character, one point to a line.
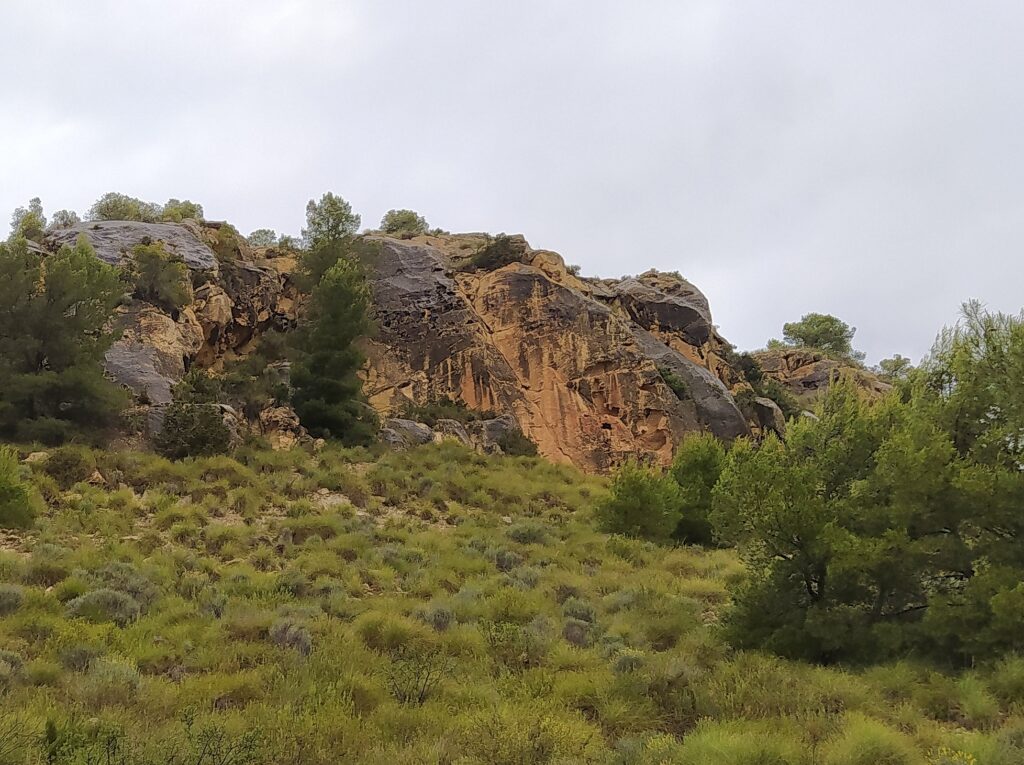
434	605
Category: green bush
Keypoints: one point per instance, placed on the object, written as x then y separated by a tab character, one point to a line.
869	742
17	507
676	383
406	223
160	278
515	443
642	503
69	465
105	605
193	423
114	206
696	469
11	598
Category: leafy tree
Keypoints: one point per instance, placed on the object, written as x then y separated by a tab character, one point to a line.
29	222
64	219
114	206
176	211
823	332
324	376
643	503
403	222
696	469
895	368
53	334
263	237
160	277
329	220
17	505
193	423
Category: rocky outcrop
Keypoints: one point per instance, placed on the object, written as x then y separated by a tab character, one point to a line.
594	371
577	364
807	373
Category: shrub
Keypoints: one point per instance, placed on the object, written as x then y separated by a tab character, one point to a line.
642	503
696	468
105	605
17	509
414	673
263	237
869	742
69	465
114	206
498	252
109	681
823	332
193	423
676	383
515	443
287	633
406	223
160	278
176	210
11	598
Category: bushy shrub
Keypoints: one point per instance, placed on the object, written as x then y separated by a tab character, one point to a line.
696	468
109	681
160	277
176	210
11	598
69	465
105	605
676	383
642	503
17	509
414	673
869	742
407	223
515	443
263	237
193	423
114	206
287	633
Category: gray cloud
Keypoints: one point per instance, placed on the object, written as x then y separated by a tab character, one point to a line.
865	159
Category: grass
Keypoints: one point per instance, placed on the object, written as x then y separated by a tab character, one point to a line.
434	606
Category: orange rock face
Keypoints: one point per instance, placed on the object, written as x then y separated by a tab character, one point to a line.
579	363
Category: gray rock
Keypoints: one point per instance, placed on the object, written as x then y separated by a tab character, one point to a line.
487	435
113	240
401	433
716	408
452	429
769	416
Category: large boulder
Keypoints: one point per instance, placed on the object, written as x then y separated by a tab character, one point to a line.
114	240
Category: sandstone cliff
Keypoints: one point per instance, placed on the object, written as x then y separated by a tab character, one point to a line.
578	362
595	371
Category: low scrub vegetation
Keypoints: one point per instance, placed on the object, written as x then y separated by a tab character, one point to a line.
435	605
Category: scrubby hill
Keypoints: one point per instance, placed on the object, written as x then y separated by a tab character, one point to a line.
435	605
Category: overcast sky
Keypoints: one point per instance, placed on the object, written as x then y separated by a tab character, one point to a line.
859	158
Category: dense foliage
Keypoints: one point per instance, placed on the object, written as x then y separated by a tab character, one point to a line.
329	220
894	527
54	314
160	277
193	423
326	387
822	332
403	223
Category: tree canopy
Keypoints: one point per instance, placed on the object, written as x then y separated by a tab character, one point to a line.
54	316
403	222
823	332
329	220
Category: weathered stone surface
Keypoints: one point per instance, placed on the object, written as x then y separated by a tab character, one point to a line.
808	373
451	429
402	433
154	351
487	435
769	416
281	427
559	355
114	240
